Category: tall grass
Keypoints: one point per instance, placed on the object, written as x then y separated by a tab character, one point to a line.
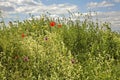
76	50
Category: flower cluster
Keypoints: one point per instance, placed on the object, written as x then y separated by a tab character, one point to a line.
52	24
25	58
23	35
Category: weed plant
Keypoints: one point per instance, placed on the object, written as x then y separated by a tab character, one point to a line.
50	49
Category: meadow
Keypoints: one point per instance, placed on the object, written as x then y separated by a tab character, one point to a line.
52	49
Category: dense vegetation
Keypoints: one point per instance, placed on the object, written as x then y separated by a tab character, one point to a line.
48	49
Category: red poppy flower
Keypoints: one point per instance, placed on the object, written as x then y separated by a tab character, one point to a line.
52	23
23	35
59	25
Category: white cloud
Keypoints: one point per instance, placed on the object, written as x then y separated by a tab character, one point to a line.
6	6
31	6
113	17
99	4
118	1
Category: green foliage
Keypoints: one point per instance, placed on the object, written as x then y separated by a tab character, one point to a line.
82	50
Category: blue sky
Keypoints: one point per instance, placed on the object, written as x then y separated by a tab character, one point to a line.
107	10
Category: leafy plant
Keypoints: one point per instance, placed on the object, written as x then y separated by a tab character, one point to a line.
49	49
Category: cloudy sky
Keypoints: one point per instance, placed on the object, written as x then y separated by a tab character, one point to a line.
107	10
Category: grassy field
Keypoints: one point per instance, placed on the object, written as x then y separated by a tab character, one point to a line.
48	49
